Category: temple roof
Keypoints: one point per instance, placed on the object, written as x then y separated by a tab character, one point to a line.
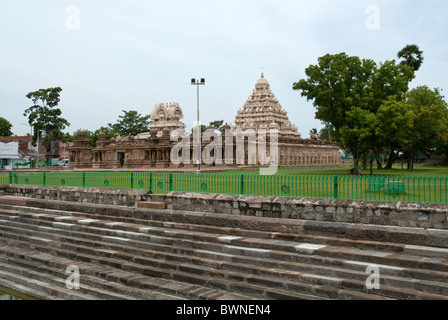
262	110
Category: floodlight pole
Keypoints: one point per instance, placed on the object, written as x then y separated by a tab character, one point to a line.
198	83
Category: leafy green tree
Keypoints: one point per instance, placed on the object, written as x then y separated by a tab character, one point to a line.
217	124
335	85
412	56
392	128
327	133
44	116
347	92
389	80
430	120
131	123
5	128
359	133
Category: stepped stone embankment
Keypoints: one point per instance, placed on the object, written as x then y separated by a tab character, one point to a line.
133	252
399	214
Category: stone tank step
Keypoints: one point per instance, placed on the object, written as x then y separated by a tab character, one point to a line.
114	243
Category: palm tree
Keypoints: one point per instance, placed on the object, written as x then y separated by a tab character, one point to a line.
412	56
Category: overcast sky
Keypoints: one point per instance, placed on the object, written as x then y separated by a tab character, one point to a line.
110	56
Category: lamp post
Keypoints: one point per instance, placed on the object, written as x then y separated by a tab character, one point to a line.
197	83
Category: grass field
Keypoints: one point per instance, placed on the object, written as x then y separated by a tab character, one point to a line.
419	170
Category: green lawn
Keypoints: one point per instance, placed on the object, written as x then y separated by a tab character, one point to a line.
419	170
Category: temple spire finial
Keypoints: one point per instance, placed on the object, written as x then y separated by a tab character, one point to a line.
262	75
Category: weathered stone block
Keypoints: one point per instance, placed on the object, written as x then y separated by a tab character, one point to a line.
255	205
266	207
284	215
151	205
308	209
330	210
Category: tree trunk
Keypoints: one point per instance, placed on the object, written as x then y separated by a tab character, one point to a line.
371	165
355	163
411	161
379	165
364	161
390	161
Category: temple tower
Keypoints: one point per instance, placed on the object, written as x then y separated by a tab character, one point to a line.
262	110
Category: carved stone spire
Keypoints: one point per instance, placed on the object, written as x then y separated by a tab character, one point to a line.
262	110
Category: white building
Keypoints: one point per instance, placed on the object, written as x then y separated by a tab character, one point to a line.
9	151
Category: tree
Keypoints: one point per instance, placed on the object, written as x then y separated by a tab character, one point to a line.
335	85
5	128
412	56
327	132
359	133
390	81
347	92
217	124
393	127
45	117
131	123
430	120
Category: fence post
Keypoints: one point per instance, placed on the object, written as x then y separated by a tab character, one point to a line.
83	179
171	182
10	177
150	182
132	180
242	184
335	187
44	178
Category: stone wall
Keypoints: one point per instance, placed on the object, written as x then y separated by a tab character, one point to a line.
400	214
120	197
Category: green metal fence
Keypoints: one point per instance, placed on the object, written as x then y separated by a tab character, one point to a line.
349	187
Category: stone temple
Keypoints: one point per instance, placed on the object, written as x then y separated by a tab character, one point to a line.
261	116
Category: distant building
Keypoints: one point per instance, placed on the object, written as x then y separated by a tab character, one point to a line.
9	151
15	148
21	148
